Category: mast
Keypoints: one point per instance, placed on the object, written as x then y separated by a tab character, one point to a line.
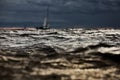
46	21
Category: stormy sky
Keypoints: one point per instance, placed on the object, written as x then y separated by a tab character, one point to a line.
62	12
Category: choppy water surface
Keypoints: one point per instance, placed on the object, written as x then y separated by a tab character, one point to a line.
60	54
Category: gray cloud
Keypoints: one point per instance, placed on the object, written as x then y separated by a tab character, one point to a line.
82	6
61	10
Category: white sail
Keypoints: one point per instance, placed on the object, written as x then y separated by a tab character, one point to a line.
45	23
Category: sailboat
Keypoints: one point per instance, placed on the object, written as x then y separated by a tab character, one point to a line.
46	21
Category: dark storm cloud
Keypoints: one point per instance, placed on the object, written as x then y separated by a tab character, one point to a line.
85	6
82	6
61	10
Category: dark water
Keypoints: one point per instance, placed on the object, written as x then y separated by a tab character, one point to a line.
57	25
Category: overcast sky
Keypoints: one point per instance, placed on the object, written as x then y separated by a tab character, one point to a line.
62	12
